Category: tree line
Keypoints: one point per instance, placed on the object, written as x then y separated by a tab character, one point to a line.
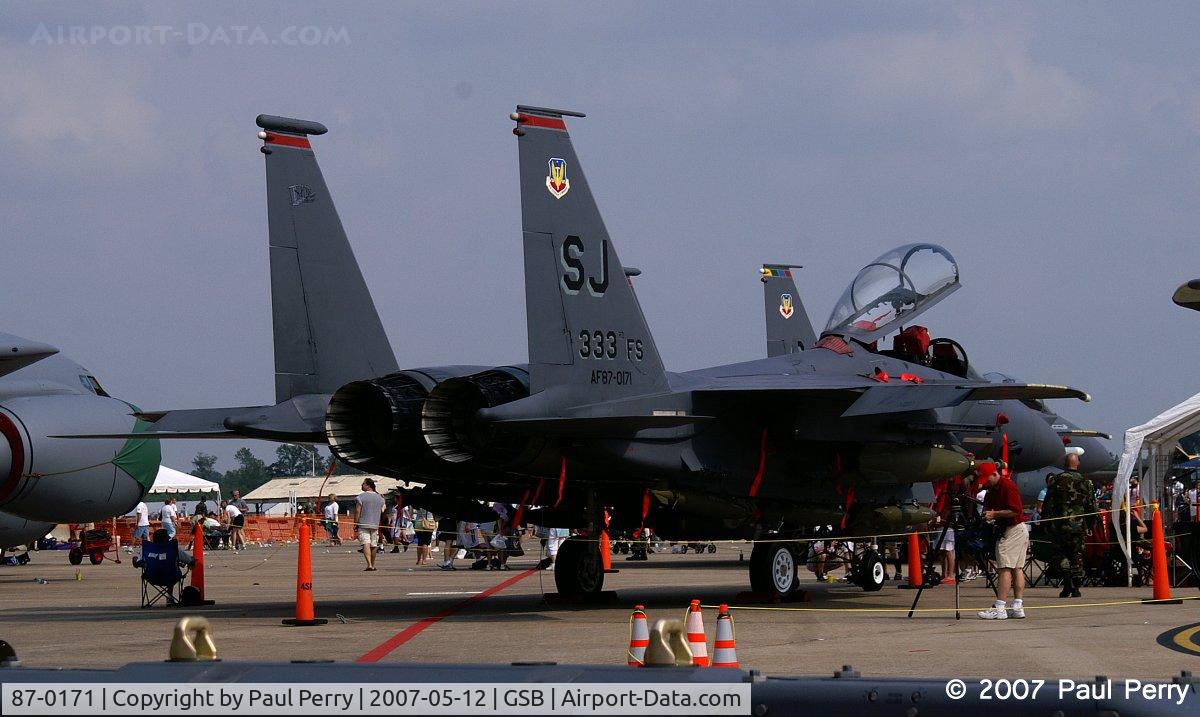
251	471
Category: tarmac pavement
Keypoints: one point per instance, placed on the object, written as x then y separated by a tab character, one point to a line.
410	614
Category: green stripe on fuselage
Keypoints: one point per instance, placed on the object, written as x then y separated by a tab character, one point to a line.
140	457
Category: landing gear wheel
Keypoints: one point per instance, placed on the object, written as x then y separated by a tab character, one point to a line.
96	558
869	572
773	569
578	569
75	557
712	548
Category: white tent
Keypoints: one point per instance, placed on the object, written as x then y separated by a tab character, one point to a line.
1159	436
170	480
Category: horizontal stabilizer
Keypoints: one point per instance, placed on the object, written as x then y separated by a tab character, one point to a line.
297	420
17	353
153	434
597	426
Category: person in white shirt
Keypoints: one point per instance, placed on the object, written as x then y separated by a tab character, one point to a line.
331	520
236	521
169	512
142	529
213	527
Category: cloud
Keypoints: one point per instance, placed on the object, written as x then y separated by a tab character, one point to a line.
984	74
63	111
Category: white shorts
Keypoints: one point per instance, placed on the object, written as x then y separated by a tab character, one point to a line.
948	543
368	537
1012	546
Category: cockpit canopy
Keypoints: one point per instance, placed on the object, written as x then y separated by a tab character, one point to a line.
893	289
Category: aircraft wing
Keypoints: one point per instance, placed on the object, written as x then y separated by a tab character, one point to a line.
17	353
298	420
597	426
1083	433
871	397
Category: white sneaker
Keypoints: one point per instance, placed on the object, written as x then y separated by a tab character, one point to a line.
995	613
1016	613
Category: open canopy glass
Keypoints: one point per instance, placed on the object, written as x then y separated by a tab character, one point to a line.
892	290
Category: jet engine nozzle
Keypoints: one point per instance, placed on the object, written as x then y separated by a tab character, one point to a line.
375	425
456	434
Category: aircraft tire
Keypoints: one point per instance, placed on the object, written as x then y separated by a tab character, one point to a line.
869	571
773	569
578	569
75	556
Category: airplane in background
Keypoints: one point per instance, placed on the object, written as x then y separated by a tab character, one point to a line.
46	480
1037	436
593	423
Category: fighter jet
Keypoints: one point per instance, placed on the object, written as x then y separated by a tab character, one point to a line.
45	480
1036	435
836	433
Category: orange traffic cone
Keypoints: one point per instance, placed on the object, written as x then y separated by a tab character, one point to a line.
305	612
915	573
198	565
606	552
639	637
695	635
1158	557
724	644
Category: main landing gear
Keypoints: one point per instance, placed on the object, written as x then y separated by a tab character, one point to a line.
578	569
775	565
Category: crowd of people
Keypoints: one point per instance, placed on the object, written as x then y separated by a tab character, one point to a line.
381	522
224	527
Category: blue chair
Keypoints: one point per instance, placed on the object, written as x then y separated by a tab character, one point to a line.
162	576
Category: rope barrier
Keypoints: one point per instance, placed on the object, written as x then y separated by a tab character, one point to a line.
735	542
939	609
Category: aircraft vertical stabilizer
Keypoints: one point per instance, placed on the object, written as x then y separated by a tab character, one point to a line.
788	327
327	331
586	328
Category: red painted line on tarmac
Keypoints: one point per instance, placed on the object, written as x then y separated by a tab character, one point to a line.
384	649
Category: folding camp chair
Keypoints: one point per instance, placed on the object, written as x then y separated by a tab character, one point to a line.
162	576
1037	572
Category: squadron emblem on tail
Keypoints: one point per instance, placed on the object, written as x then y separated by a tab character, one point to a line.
785	306
557	181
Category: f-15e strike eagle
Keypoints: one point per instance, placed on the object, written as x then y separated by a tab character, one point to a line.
836	433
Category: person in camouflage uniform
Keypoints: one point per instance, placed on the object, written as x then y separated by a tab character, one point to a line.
1068	515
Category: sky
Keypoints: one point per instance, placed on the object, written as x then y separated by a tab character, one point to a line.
1053	148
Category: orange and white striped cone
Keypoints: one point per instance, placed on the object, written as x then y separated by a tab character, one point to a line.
724	644
695	635
639	637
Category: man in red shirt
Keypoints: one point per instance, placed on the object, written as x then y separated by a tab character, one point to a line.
1002	504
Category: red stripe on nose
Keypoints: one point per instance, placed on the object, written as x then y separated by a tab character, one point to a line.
17	447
